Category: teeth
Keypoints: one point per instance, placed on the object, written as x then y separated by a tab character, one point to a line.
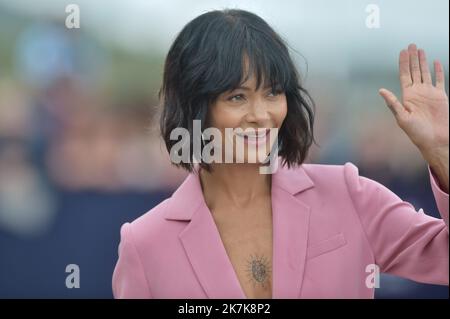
258	133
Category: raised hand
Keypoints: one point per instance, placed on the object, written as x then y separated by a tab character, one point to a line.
423	112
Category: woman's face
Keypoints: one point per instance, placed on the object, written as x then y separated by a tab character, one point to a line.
253	110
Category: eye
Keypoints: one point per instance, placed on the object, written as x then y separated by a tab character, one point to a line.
236	98
274	92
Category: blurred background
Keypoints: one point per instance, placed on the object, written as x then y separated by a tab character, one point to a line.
80	152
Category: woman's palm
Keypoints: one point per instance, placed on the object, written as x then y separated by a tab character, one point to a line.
423	112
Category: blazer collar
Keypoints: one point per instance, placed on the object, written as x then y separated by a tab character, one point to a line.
189	195
206	252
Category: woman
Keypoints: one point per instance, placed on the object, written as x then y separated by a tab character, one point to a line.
303	231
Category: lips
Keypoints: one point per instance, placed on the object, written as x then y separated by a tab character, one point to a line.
254	137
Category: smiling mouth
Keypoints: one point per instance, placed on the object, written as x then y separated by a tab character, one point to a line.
255	137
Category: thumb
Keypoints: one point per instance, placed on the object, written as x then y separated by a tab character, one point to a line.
393	103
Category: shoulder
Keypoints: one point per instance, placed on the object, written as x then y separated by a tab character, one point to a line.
148	225
158	221
348	172
323	173
152	216
320	170
345	181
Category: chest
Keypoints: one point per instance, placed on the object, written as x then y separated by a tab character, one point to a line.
247	238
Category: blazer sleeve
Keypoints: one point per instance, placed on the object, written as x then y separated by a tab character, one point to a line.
404	242
129	280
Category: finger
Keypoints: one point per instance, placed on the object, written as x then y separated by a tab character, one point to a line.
440	77
426	76
414	64
403	64
393	103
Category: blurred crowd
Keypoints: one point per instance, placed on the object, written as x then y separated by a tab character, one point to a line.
60	129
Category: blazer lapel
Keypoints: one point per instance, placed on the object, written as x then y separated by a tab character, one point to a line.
208	257
290	231
202	243
290	235
206	252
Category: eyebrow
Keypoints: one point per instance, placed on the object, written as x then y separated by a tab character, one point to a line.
246	88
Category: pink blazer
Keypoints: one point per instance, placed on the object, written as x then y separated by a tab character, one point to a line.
329	224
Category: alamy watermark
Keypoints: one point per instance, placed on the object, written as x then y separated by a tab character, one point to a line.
373	17
73	17
211	146
73	279
373	279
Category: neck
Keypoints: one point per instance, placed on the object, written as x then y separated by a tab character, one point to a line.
234	184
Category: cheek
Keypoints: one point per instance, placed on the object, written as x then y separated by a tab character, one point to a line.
222	117
281	113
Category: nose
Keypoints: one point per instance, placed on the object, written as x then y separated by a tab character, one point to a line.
258	113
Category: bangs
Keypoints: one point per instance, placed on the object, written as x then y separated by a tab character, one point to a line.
243	49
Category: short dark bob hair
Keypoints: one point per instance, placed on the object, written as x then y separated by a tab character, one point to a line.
207	59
